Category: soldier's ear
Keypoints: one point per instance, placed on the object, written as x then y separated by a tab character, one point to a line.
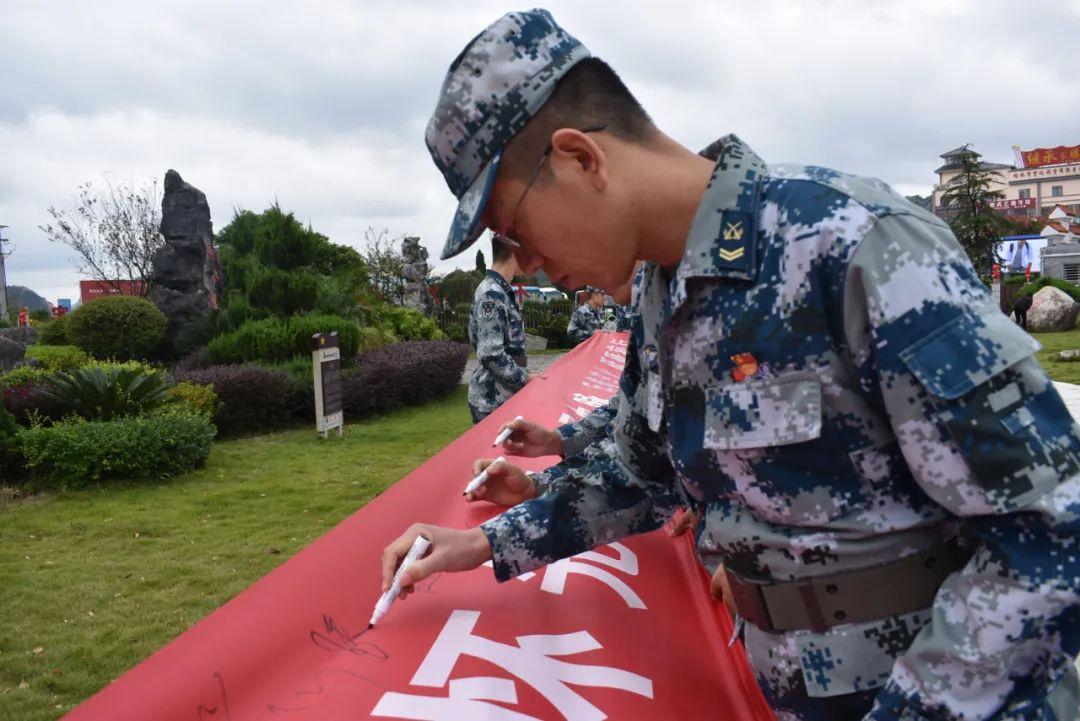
579	155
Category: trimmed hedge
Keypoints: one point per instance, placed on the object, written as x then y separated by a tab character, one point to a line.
250	397
55	332
276	340
57	357
73	454
1063	285
118	327
403	374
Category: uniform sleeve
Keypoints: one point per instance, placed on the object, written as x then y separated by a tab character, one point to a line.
626	486
491	332
578	436
987	438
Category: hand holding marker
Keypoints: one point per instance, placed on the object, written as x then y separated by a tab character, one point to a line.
506	432
480	479
418	549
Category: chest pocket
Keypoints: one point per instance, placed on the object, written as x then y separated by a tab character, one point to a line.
769	441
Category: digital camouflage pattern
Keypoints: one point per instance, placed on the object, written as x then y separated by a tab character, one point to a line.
497	334
584	321
826	375
490	92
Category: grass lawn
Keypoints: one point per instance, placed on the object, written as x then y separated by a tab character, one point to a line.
1062	371
92	582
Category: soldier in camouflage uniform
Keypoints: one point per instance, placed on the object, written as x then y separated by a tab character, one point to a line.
587	317
889	476
497	334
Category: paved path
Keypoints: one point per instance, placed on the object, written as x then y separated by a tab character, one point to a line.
537	364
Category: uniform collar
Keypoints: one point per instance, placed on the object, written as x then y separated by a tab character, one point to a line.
497	277
722	242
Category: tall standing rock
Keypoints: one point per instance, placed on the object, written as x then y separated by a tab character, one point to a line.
415	271
187	274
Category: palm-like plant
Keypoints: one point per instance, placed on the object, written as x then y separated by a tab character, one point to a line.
101	395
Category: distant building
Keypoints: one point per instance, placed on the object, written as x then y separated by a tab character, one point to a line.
92	289
1061	257
1039	181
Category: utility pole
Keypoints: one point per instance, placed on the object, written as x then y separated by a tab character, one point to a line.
3	275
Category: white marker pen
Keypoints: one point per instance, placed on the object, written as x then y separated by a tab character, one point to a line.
419	548
481	479
501	438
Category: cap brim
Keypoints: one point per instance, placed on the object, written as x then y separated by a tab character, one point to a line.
466	227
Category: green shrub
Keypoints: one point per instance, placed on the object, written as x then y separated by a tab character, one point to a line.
372	338
131	365
118	327
267	339
73	453
22	375
57	357
199	399
281	241
1035	286
275	340
102	395
406	323
10	455
55	332
283	292
555	332
303	327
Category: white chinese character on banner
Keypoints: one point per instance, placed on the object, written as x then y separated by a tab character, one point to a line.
532	660
555	573
467	700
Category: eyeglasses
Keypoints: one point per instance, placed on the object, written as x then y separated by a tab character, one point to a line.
532	180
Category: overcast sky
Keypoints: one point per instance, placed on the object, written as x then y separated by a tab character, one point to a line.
322	105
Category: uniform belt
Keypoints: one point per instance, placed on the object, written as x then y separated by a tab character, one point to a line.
869	594
521	359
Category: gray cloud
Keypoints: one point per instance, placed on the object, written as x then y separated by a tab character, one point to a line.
322	106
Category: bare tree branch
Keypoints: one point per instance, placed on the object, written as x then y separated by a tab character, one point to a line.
382	253
114	232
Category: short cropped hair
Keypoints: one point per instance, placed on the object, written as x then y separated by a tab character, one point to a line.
500	251
590	94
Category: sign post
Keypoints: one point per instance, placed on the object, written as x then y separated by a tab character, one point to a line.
326	364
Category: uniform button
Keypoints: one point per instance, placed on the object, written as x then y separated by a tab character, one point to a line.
839	615
931	562
831	588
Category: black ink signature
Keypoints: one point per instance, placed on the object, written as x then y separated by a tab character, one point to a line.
205	712
318	690
427	584
338	638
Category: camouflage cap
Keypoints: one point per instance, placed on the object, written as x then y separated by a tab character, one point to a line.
490	92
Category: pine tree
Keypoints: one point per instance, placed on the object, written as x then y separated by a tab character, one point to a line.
976	225
481	266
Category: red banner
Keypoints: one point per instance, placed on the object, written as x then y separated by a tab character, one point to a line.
1050	156
627	631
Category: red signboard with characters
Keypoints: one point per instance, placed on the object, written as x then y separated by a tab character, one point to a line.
626	631
92	289
1050	156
